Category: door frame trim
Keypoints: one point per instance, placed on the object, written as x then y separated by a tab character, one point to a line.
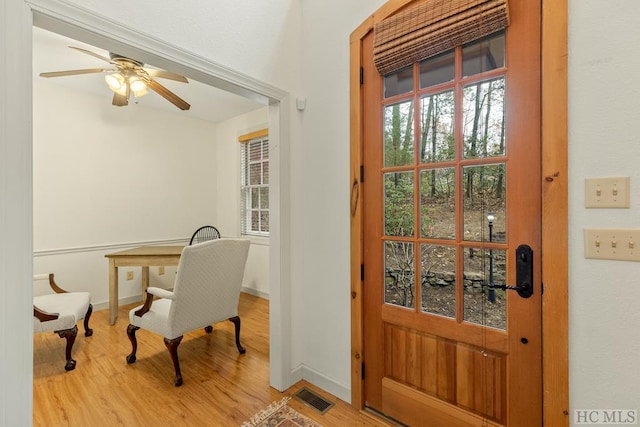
555	308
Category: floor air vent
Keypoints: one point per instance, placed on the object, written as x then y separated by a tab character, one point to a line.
312	399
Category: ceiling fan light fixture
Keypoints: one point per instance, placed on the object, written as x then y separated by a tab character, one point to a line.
127	76
122	90
115	81
137	86
139	93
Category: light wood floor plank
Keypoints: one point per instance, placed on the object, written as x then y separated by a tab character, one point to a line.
221	387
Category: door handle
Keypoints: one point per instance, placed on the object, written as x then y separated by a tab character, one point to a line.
524	274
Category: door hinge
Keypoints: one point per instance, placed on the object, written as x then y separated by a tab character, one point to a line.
361	271
361	174
361	75
362	370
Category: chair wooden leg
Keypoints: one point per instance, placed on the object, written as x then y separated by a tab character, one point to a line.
236	322
172	346
131	333
70	335
87	330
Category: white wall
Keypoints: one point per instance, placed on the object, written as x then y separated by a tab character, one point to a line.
604	296
106	177
227	167
16	327
322	169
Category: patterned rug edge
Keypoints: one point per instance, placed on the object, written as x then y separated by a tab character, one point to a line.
260	419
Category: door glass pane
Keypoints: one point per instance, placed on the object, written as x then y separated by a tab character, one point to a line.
399	212
399	272
436	70
398	134
484	193
438	279
483	55
483	304
483	130
438	203
399	82
437	142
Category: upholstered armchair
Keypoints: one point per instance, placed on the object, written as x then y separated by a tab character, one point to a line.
59	312
206	291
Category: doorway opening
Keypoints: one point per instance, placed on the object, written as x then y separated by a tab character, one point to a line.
62	20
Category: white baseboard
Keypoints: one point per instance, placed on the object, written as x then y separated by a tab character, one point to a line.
137	298
255	292
303	372
121	301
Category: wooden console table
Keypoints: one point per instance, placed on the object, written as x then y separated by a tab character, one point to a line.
144	256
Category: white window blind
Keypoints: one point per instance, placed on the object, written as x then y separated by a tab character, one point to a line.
254	191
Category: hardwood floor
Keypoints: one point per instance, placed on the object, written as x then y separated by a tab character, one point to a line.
221	387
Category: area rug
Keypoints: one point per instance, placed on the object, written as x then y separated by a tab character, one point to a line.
278	414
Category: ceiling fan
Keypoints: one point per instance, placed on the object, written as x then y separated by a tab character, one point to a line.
129	76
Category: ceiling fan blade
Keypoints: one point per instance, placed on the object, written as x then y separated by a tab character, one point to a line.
168	95
88	52
166	75
74	72
120	100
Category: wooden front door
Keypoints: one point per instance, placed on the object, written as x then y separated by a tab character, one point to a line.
451	190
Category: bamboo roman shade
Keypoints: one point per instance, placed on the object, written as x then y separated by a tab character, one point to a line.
433	27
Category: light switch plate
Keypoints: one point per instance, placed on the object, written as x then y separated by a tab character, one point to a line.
606	192
621	244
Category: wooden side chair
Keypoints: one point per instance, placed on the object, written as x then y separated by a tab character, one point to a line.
59	312
206	291
204	234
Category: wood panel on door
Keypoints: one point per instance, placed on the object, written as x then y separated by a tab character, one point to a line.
451	189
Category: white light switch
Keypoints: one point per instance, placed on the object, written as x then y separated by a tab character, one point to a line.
621	244
606	192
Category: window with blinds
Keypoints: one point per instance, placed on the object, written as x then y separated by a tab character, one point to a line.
254	187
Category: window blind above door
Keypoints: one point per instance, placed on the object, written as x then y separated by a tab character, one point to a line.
433	27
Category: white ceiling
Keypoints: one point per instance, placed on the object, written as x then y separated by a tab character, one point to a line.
51	53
